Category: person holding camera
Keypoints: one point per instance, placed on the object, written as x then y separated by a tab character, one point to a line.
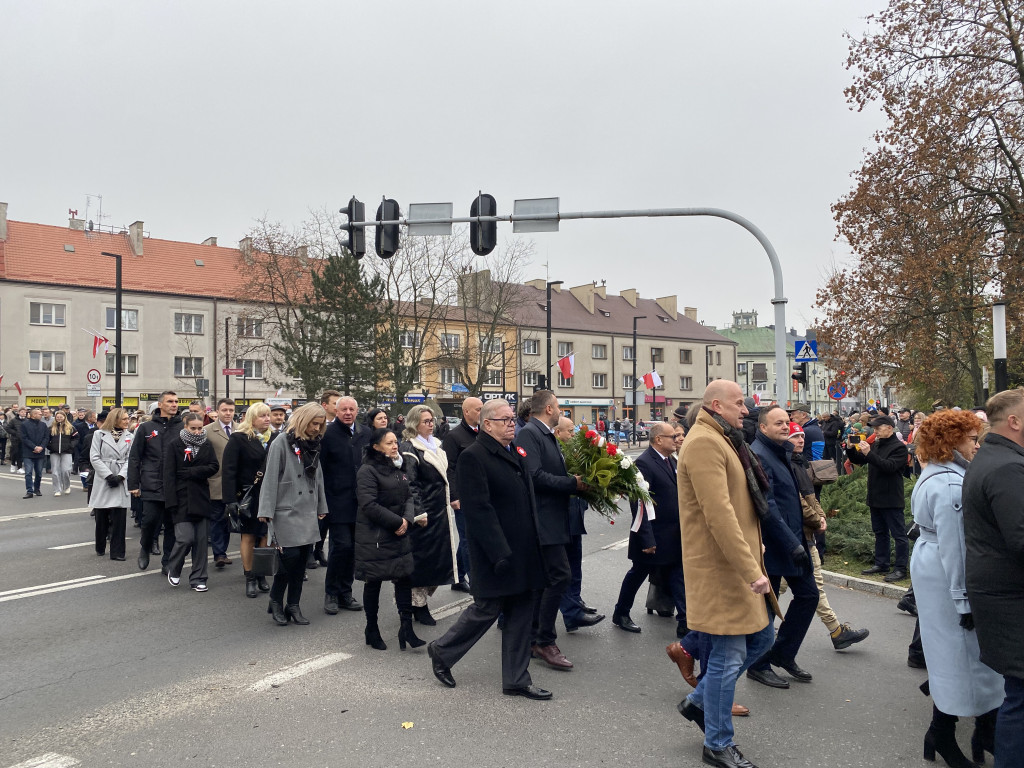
886	459
109	499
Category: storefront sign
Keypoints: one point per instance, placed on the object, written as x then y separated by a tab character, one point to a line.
511	397
585	401
41	402
126	402
660	399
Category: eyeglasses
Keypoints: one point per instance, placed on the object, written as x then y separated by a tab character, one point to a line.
974	438
506	421
426	421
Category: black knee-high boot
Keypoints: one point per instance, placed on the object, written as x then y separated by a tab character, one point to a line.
984	737
941	738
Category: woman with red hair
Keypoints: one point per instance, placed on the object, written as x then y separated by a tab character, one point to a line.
961	686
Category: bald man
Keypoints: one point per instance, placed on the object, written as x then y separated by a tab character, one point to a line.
454	443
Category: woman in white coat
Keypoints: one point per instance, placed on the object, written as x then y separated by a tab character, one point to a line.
960	685
109	498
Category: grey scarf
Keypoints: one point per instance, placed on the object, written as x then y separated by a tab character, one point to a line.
757	480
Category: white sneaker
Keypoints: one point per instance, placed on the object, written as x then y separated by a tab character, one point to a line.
199	588
56	493
67	491
172	580
13	469
21	471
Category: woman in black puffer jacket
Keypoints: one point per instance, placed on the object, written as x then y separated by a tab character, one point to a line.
383	546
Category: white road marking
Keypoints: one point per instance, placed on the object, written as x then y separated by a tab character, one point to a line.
49	760
55	584
451	608
297	670
72	546
54	513
620	544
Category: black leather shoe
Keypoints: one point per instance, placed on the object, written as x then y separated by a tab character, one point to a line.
143	560
898	574
767	677
691	712
530	692
907	604
295	614
350	605
460	586
586	620
794	669
730	757
626	623
311	562
29	495
587	608
155	549
320	557
441	670
874	569
330	605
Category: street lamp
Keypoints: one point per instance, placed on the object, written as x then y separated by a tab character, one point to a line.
636	408
547	375
117	326
999	343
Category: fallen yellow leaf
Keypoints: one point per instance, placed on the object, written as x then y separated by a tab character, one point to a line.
407	726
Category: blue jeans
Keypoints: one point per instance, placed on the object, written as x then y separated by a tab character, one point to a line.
1010	725
220	530
730	657
34	465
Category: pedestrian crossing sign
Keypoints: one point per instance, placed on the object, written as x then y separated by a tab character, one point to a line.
806	351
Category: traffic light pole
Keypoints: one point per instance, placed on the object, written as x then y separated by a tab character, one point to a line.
779	300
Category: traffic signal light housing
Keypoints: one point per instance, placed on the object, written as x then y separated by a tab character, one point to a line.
542	382
800	373
483	236
386	243
356	243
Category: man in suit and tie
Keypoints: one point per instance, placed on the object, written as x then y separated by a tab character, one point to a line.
341	454
654	543
217	432
553	486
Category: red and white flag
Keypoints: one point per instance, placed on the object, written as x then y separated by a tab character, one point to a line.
278	393
17	386
98	341
652	380
567	365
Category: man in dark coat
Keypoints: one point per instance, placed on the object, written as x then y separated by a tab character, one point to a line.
786	554
504	548
654	544
886	460
341	454
35	436
994	535
454	443
553	487
145	477
750	420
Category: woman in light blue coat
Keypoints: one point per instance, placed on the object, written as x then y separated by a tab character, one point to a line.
960	685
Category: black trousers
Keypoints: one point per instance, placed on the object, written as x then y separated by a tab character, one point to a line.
341	561
154	514
111	519
668	577
886	522
289	576
798	618
371	599
556	564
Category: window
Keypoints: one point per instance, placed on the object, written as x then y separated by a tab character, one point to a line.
530	378
253	368
449	342
129	319
564	382
657	354
599	351
250	328
531	347
46	362
627	353
627	381
718	358
686	383
564	348
408	339
600	381
129	365
449	377
490	344
686	356
760	372
45	314
187	323
187	367
710	357
492	378
741	368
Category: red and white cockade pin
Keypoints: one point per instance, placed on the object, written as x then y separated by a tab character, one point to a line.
521	451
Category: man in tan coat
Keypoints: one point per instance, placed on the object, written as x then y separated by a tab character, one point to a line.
721	499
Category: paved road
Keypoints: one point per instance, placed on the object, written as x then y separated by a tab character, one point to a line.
104	665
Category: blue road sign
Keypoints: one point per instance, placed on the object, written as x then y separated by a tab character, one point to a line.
806	351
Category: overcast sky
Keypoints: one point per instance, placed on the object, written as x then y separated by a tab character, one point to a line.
200	117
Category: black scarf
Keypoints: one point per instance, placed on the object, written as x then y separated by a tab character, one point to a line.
802	473
309	452
757	480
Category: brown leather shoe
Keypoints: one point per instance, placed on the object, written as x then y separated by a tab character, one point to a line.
738	710
684	661
552	656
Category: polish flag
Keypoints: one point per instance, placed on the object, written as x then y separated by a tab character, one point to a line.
17	386
278	393
567	365
652	380
97	341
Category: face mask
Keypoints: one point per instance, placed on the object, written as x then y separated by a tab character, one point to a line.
397	461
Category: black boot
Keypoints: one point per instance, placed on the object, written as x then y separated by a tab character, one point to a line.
984	737
407	635
261	584
250	584
295	614
941	738
373	638
422	614
277	611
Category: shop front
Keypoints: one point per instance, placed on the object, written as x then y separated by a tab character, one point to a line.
659	405
587	409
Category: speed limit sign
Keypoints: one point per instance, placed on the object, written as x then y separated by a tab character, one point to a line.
93	376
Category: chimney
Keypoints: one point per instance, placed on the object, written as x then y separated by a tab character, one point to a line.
3	221
630	295
691	313
601	290
539	284
135	237
76	224
302	251
245	246
668	303
584	295
210	241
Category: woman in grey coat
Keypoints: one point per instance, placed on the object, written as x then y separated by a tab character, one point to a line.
292	501
960	685
109	498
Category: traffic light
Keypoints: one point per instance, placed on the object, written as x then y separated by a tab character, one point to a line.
800	374
483	236
387	234
542	382
356	242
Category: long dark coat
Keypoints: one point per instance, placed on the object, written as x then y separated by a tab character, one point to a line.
663	531
886	462
145	462
551	482
501	519
244	457
454	443
186	480
384	497
784	529
994	536
341	453
433	545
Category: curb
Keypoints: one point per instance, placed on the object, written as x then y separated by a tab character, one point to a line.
863	585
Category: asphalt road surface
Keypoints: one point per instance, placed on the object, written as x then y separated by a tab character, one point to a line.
106	665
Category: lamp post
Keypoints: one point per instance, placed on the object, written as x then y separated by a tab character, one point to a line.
636	408
547	372
117	326
999	343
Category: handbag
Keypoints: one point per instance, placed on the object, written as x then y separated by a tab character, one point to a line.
251	493
824	471
266	561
